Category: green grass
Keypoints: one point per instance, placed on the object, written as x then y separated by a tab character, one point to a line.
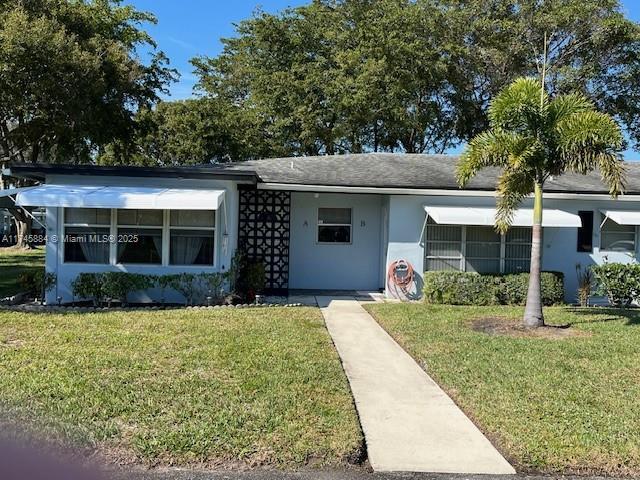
570	405
182	387
14	262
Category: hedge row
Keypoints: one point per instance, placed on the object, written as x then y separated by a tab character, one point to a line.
116	286
619	282
465	288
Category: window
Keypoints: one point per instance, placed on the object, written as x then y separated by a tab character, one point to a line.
585	232
517	250
443	248
139	236
482	250
192	237
476	249
86	235
334	225
617	238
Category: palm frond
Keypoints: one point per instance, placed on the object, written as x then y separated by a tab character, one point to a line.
517	107
513	186
590	140
492	148
613	172
563	106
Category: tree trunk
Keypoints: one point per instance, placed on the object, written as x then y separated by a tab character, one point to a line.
23	227
533	311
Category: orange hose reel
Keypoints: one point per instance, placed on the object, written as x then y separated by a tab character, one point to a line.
400	275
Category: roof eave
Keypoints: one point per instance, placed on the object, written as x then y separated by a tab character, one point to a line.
40	171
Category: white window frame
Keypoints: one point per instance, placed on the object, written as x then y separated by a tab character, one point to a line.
624	252
463	249
64	225
113	246
162	228
350	225
168	239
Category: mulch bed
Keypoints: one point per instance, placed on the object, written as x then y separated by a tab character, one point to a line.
511	327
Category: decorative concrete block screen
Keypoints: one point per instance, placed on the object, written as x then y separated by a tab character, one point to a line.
263	233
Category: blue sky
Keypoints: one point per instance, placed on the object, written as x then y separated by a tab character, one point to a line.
188	28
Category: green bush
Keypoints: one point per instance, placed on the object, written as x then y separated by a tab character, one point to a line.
194	287
37	283
514	288
183	283
99	287
619	282
246	276
213	284
88	286
116	285
461	288
466	288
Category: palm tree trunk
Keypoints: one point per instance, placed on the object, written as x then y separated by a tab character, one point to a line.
533	311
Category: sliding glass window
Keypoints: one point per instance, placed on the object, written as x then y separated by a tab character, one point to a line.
192	237
139	236
86	235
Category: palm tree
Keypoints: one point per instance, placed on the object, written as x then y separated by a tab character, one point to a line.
532	138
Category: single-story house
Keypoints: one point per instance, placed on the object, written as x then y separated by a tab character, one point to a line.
342	222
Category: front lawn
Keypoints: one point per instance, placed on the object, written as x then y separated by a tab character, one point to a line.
182	387
550	405
14	262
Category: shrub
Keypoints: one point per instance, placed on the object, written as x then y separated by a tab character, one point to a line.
99	287
585	282
514	288
88	286
37	283
116	285
255	277
246	276
460	288
619	282
213	283
163	282
466	288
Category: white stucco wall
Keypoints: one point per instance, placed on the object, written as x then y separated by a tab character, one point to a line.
560	244
356	266
67	272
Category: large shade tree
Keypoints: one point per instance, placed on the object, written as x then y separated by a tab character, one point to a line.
72	78
533	137
337	76
591	48
194	131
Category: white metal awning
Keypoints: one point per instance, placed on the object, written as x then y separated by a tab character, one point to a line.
523	217
81	196
622	217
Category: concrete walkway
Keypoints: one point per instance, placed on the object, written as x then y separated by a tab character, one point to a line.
409	423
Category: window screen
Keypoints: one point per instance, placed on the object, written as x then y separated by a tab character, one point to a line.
334	225
476	248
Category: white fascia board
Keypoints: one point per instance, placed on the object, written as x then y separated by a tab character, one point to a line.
297	187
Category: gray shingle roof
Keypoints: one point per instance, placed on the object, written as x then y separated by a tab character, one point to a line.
391	170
